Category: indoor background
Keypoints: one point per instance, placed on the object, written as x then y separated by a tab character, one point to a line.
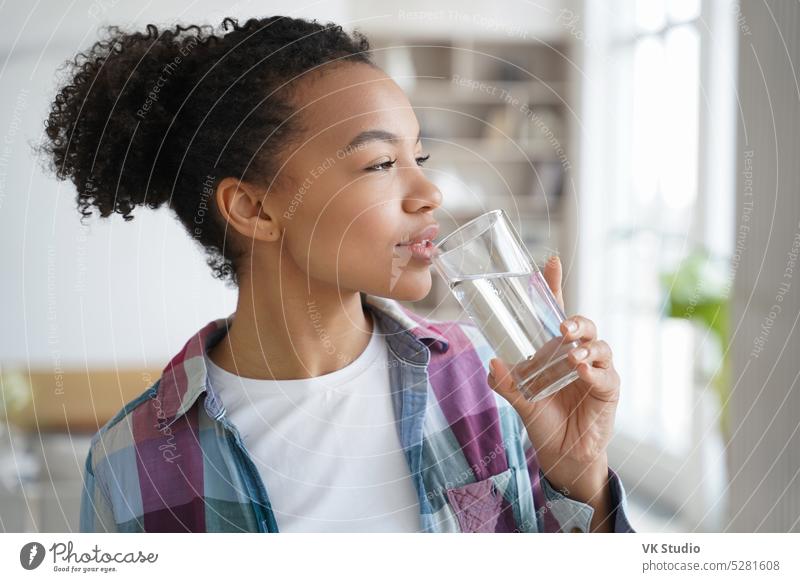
652	144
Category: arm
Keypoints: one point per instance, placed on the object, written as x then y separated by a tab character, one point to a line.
96	514
563	510
587	483
582	516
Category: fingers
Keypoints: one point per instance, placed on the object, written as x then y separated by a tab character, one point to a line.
595	367
602	382
594	353
500	378
544	376
578	327
593	361
552	350
553	274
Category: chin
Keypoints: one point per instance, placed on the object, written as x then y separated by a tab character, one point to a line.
409	288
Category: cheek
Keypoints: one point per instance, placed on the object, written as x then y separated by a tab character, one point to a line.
365	261
345	243
354	247
366	243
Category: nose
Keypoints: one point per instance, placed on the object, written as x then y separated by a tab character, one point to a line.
423	196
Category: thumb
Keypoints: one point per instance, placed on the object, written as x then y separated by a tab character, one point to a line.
501	381
552	274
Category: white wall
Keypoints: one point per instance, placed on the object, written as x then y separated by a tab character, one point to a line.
120	293
114	293
498	20
765	402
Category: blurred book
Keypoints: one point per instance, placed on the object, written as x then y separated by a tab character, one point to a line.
546	186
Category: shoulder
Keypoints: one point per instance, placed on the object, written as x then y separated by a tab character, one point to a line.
116	435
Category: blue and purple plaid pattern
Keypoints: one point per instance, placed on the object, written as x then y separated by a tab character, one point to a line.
170	460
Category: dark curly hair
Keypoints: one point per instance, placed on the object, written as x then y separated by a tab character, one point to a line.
151	117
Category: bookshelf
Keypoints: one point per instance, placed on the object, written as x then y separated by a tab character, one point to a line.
494	115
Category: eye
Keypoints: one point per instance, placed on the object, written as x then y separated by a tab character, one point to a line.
382	166
387	165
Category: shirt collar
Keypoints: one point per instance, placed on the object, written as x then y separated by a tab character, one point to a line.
185	377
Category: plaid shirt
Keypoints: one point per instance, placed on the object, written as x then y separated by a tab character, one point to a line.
171	461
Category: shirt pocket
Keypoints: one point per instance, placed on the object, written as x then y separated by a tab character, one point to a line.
488	505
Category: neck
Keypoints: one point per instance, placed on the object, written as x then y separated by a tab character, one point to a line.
294	333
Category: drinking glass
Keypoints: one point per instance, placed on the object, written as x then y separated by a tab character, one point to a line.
493	276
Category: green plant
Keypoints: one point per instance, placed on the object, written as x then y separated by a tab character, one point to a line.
15	392
697	291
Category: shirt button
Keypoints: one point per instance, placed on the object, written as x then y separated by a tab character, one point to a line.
576	529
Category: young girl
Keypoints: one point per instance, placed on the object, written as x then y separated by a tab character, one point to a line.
321	403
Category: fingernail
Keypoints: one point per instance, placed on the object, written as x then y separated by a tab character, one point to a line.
571	325
581	353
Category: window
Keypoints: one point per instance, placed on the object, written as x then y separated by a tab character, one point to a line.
653	205
656	184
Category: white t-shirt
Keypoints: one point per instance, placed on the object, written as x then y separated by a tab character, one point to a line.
327	448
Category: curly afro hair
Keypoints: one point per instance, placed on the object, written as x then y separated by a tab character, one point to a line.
160	116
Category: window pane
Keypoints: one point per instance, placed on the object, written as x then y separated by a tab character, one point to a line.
682	10
616	334
675	400
650	14
679	154
645	289
659	179
649	107
643	388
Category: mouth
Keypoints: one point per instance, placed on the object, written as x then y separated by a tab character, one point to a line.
420	245
422	239
422	250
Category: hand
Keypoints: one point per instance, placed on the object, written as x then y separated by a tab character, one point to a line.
570	429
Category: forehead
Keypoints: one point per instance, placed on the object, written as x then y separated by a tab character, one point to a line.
342	100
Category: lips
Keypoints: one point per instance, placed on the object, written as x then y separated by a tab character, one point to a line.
423	250
421	244
426	235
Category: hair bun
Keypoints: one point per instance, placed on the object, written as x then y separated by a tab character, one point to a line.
153	117
108	123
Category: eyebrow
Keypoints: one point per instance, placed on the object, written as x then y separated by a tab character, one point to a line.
376	135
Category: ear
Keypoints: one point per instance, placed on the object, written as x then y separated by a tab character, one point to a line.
241	204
